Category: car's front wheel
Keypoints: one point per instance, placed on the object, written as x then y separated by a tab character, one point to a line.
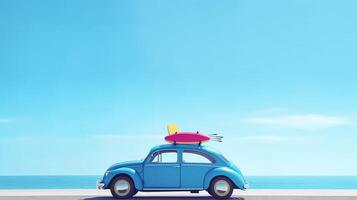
122	187
221	188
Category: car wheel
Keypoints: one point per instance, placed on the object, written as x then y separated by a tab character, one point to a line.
122	187
221	188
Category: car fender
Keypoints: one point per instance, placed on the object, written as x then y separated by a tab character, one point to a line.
126	171
234	176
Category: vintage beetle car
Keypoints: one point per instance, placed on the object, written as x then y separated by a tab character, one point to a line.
180	167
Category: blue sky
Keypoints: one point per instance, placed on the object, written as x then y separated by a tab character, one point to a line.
84	84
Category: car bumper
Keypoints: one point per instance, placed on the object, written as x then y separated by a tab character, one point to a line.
100	185
246	186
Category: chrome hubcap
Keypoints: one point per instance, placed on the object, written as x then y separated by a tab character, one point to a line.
221	188
122	187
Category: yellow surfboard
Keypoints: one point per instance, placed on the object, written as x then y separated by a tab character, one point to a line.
172	129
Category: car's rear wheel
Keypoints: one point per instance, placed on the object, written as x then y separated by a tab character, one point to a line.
122	187
221	188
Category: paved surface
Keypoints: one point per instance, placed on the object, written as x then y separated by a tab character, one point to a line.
238	195
179	198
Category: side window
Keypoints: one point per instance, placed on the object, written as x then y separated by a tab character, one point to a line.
189	156
166	156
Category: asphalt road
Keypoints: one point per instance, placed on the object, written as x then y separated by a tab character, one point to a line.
177	198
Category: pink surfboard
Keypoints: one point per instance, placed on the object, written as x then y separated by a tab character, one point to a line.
187	138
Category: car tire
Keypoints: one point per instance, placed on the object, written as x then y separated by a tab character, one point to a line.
122	187
209	192
221	188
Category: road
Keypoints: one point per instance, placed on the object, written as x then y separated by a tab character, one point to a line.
177	198
238	195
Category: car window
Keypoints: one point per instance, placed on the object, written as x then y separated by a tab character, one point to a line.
167	156
190	156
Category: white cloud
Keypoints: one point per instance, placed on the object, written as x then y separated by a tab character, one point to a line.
3	120
299	121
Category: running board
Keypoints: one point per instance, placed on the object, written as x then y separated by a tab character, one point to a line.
172	189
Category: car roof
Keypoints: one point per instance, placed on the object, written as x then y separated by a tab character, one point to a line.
185	146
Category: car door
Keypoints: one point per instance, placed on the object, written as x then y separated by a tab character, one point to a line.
195	165
162	170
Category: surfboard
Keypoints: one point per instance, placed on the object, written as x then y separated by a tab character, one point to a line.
187	138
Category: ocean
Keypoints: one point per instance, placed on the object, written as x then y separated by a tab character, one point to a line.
256	182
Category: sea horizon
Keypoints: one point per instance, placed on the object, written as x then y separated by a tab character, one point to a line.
256	182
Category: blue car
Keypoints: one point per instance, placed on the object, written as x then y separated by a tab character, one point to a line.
175	167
